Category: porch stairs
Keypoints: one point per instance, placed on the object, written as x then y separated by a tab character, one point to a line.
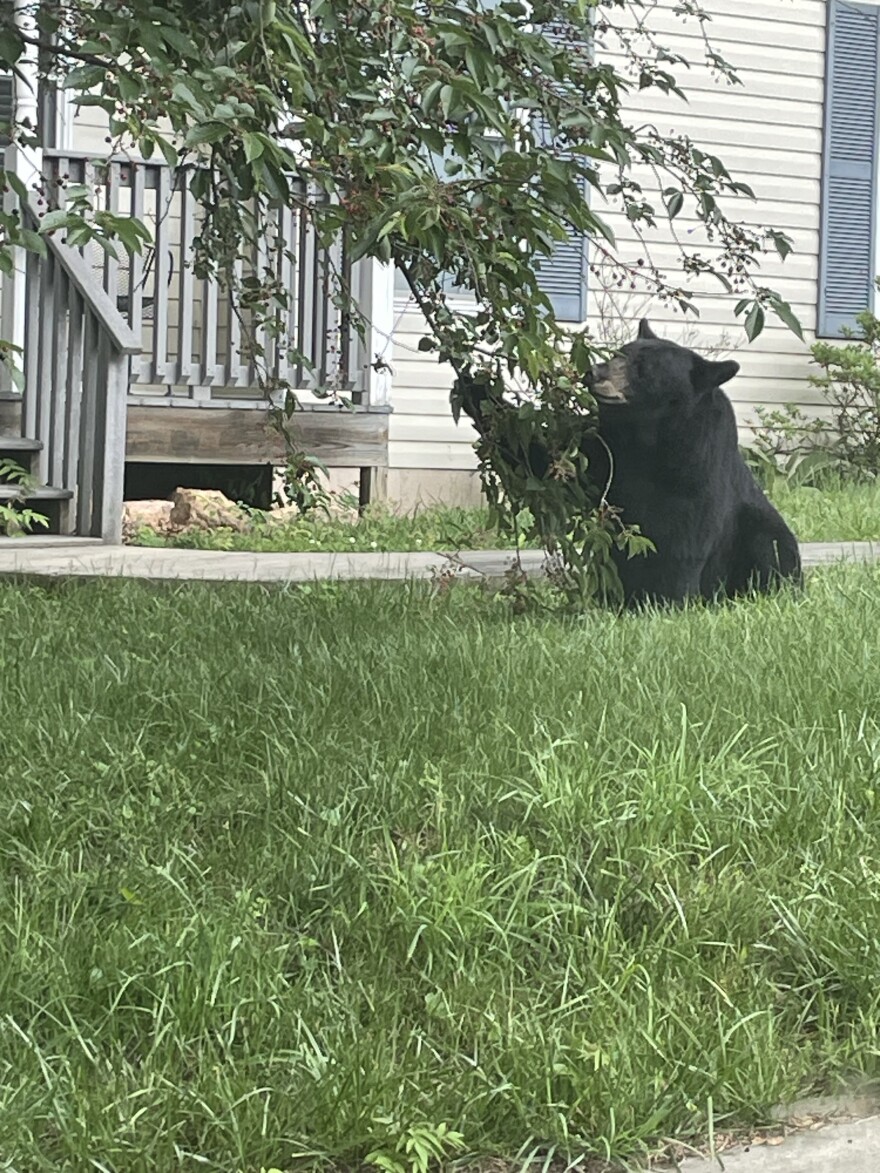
51	501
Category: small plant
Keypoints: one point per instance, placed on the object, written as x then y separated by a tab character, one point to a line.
15	517
303	485
844	442
792	447
416	1149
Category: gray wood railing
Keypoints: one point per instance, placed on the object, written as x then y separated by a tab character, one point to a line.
197	348
77	354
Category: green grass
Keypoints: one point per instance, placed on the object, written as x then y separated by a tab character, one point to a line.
850	513
286	874
437	528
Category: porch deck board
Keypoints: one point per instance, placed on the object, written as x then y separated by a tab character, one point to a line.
228	435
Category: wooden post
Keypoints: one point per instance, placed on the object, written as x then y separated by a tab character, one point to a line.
372	374
113	408
187	372
26	163
88	420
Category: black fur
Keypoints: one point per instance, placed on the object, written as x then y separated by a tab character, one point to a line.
679	475
670	455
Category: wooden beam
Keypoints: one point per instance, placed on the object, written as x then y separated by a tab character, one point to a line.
235	435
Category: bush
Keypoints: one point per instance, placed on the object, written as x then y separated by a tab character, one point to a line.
845	442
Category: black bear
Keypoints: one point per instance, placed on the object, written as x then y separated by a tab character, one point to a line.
668	451
676	471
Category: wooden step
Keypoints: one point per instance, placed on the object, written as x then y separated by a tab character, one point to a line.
43	541
37	493
19	444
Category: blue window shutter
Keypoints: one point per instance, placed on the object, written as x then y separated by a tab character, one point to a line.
849	172
563	275
6	111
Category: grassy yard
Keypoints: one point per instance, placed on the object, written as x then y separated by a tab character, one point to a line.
850	513
286	876
845	514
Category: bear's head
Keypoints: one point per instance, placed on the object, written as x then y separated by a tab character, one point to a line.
651	376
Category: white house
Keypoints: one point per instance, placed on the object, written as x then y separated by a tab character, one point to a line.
802	130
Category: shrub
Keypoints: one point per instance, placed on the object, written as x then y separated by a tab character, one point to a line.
845	441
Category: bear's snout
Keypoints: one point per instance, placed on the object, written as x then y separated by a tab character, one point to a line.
608	381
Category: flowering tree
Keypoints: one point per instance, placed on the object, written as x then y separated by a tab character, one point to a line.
461	140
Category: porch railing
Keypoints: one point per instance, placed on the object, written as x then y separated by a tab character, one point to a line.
77	352
197	349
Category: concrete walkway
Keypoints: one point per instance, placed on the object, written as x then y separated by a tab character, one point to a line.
70	557
834	1146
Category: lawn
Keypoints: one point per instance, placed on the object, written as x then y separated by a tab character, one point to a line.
288	875
849	513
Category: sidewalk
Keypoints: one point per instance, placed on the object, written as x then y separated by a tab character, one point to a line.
47	558
825	1146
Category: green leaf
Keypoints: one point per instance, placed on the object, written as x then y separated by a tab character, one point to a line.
33	241
16	183
204	133
11	46
81	233
59	218
253	146
782	243
16	374
674	204
754	323
128	232
182	93
130	88
107	245
786	314
84	77
169	152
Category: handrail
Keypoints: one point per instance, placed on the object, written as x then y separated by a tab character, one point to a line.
121	334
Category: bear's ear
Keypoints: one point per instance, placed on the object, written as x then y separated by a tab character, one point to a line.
707	375
645	330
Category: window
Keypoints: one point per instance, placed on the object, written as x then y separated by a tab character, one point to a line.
401	289
847	263
562	277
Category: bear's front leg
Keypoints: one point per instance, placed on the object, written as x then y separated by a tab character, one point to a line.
652	579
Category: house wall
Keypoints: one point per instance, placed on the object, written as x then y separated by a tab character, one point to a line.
768	132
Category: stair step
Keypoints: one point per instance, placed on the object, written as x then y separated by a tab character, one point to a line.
44	541
38	493
19	444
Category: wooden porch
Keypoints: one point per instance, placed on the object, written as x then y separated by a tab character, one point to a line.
138	360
